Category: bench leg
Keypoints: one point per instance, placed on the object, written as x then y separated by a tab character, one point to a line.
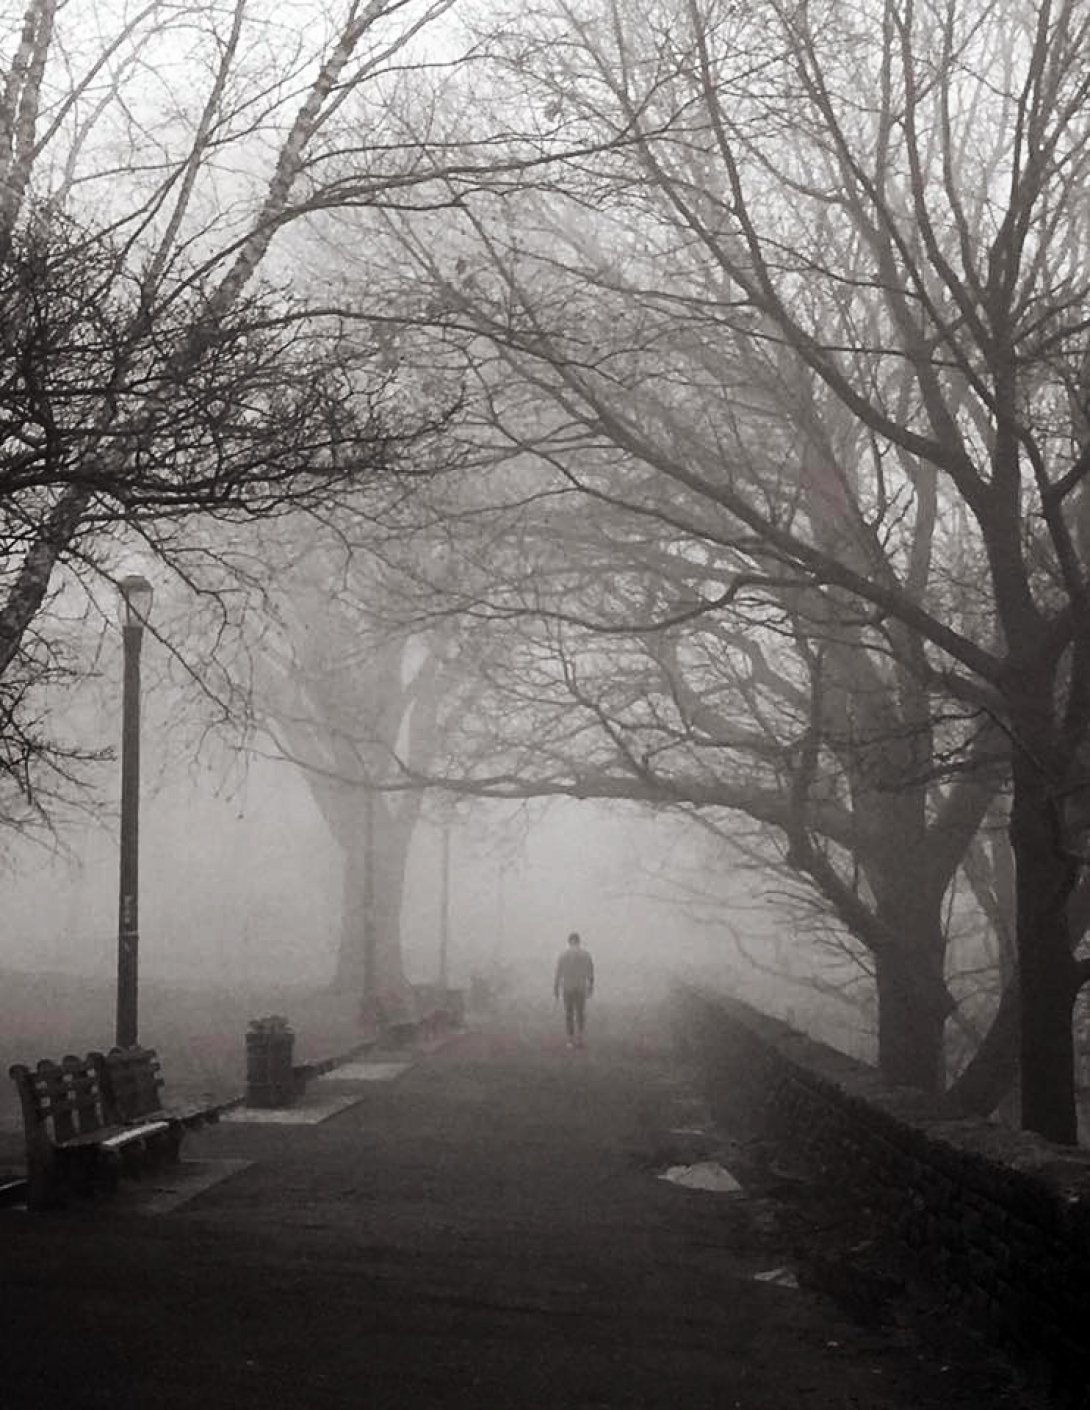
90	1172
168	1147
53	1176
44	1188
164	1148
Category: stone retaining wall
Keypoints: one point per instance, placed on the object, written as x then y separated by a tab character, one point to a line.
997	1221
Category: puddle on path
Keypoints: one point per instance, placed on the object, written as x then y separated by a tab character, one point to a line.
703	1175
778	1277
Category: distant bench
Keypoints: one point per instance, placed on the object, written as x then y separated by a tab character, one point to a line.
427	1012
439	1009
304	1072
89	1120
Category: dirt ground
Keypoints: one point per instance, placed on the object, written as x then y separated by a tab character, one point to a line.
488	1229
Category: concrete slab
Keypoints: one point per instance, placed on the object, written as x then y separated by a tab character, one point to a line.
309	1111
160	1191
177	1185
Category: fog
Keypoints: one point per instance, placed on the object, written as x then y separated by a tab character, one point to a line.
243	886
241	890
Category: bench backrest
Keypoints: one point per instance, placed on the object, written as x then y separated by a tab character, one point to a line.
130	1082
67	1094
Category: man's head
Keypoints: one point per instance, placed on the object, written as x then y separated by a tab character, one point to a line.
573	938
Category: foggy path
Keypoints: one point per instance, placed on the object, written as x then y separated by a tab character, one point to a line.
485	1230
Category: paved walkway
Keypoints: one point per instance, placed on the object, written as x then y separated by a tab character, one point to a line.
486	1229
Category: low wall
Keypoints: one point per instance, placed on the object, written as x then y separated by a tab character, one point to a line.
996	1221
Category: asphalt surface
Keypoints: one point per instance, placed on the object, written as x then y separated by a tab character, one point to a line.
488	1229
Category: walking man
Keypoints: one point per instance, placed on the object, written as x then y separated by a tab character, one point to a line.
574	979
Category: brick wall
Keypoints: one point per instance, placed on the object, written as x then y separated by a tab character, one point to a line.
997	1221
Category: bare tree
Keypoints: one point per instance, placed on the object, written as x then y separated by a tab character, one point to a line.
353	701
883	210
613	657
156	364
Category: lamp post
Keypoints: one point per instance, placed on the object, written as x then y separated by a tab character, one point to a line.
136	594
444	905
370	937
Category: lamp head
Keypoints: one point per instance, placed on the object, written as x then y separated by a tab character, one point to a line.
136	595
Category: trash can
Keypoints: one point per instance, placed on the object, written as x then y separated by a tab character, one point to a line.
270	1081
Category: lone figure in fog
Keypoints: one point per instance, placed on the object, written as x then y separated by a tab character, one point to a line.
574	979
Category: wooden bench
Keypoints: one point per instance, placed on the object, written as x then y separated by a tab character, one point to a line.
404	1017
89	1120
396	1026
73	1144
439	1010
304	1072
132	1083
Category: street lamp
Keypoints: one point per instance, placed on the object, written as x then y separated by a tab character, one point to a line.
136	594
444	904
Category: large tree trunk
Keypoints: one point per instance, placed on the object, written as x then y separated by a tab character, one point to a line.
353	953
1045	879
992	1072
375	854
391	857
913	1000
913	1004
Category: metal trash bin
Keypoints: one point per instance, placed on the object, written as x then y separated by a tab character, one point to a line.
270	1080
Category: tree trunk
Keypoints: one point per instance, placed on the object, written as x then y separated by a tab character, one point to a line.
391	858
352	967
912	1011
375	855
993	1069
1045	879
913	1001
